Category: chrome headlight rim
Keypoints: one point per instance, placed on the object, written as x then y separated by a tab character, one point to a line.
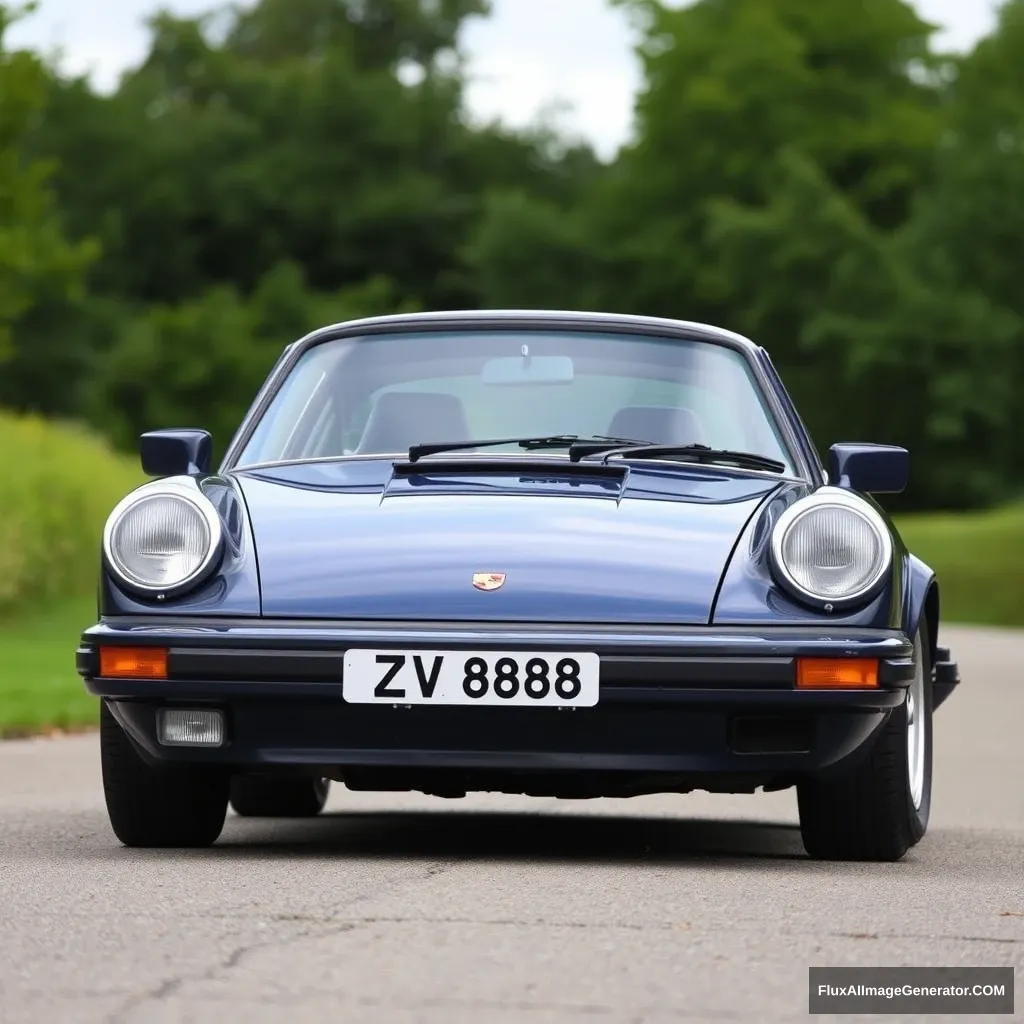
188	492
832	497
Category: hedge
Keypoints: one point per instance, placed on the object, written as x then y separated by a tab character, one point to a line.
58	483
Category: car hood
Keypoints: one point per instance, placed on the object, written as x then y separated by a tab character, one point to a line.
350	541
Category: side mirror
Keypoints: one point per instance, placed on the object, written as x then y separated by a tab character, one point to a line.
869	468
176	452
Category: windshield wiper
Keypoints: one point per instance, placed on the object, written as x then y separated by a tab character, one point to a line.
694	452
599	444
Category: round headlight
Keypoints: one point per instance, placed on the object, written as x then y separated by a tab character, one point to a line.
831	549
162	539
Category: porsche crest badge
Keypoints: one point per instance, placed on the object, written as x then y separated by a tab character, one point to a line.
488	580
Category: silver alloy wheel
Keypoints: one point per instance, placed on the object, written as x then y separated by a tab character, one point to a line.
916	728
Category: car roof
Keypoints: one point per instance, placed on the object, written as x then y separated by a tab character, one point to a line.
532	319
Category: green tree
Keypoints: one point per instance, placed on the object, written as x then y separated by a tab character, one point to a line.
730	84
329	133
812	175
968	232
307	149
378	34
37	262
201	362
799	172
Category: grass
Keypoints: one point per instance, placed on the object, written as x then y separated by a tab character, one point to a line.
979	559
40	690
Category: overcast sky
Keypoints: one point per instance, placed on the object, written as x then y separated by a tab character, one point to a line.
528	55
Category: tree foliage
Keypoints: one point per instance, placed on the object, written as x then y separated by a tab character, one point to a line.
37	262
824	181
820	178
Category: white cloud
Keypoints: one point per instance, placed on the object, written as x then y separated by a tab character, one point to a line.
530	54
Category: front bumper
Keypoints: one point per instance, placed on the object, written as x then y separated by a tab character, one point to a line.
717	707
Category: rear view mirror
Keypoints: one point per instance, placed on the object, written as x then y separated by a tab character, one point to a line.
517	370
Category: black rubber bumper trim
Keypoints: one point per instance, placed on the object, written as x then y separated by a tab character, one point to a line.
294	669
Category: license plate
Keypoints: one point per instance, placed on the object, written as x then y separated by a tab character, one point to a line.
525	678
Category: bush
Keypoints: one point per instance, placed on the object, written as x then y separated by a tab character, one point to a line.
59	484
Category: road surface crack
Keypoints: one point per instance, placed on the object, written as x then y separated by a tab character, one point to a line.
498	922
171	986
334	917
332	924
881	936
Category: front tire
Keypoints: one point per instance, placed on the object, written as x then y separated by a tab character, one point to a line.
881	808
253	796
176	805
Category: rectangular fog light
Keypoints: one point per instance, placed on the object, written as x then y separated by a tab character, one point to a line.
190	727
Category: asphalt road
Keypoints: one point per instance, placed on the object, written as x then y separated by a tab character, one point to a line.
400	909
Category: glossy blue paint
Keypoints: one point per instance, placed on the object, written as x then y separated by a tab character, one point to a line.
234	589
750	595
919	583
654	481
409	549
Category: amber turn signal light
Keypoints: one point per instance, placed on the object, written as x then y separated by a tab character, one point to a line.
836	673
133	662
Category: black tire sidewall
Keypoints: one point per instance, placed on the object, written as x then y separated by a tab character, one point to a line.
158	805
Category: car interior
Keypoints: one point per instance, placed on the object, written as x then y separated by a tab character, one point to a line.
397	420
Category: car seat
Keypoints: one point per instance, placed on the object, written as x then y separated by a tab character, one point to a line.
660	424
401	419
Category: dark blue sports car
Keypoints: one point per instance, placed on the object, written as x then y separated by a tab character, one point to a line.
559	554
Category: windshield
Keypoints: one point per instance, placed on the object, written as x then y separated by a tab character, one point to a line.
381	394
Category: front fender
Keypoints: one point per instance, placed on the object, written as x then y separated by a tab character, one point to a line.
234	589
921	602
749	594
